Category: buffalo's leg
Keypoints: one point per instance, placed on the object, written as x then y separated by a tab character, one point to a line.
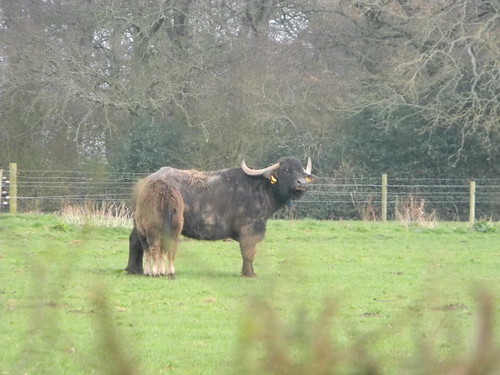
135	254
148	262
176	222
247	248
169	245
162	257
163	262
172	250
157	257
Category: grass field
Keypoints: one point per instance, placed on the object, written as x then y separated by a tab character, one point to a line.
353	296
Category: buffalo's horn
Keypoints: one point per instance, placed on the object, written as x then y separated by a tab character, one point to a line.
309	166
258	172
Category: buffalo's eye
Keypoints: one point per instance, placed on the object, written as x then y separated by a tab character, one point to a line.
286	170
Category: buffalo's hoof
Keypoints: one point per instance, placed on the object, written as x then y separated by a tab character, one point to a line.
250	275
133	271
171	276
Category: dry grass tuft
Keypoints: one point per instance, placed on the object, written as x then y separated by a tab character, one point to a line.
267	346
412	211
99	214
114	353
368	211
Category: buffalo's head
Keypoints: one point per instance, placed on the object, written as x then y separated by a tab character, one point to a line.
288	177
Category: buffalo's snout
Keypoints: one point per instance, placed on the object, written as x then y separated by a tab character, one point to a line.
302	181
301	184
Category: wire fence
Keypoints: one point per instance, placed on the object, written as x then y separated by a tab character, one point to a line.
328	198
361	198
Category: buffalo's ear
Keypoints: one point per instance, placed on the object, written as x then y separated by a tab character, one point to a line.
271	177
311	178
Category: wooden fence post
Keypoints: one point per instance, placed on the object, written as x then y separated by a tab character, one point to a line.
384	197
13	188
472	203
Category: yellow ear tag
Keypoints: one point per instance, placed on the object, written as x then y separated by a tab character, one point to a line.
273	180
308	179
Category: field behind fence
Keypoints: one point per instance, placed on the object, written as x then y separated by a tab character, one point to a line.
366	198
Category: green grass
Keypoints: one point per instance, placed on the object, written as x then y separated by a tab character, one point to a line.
67	306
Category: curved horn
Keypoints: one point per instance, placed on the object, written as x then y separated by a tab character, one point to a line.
258	172
309	166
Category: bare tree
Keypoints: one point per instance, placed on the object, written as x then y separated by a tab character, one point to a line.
124	62
444	73
258	78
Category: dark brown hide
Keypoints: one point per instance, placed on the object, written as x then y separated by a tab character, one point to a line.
158	222
229	203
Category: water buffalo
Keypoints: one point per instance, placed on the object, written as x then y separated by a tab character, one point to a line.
231	203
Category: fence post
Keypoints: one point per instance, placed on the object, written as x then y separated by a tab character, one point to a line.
472	203
384	197
13	188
